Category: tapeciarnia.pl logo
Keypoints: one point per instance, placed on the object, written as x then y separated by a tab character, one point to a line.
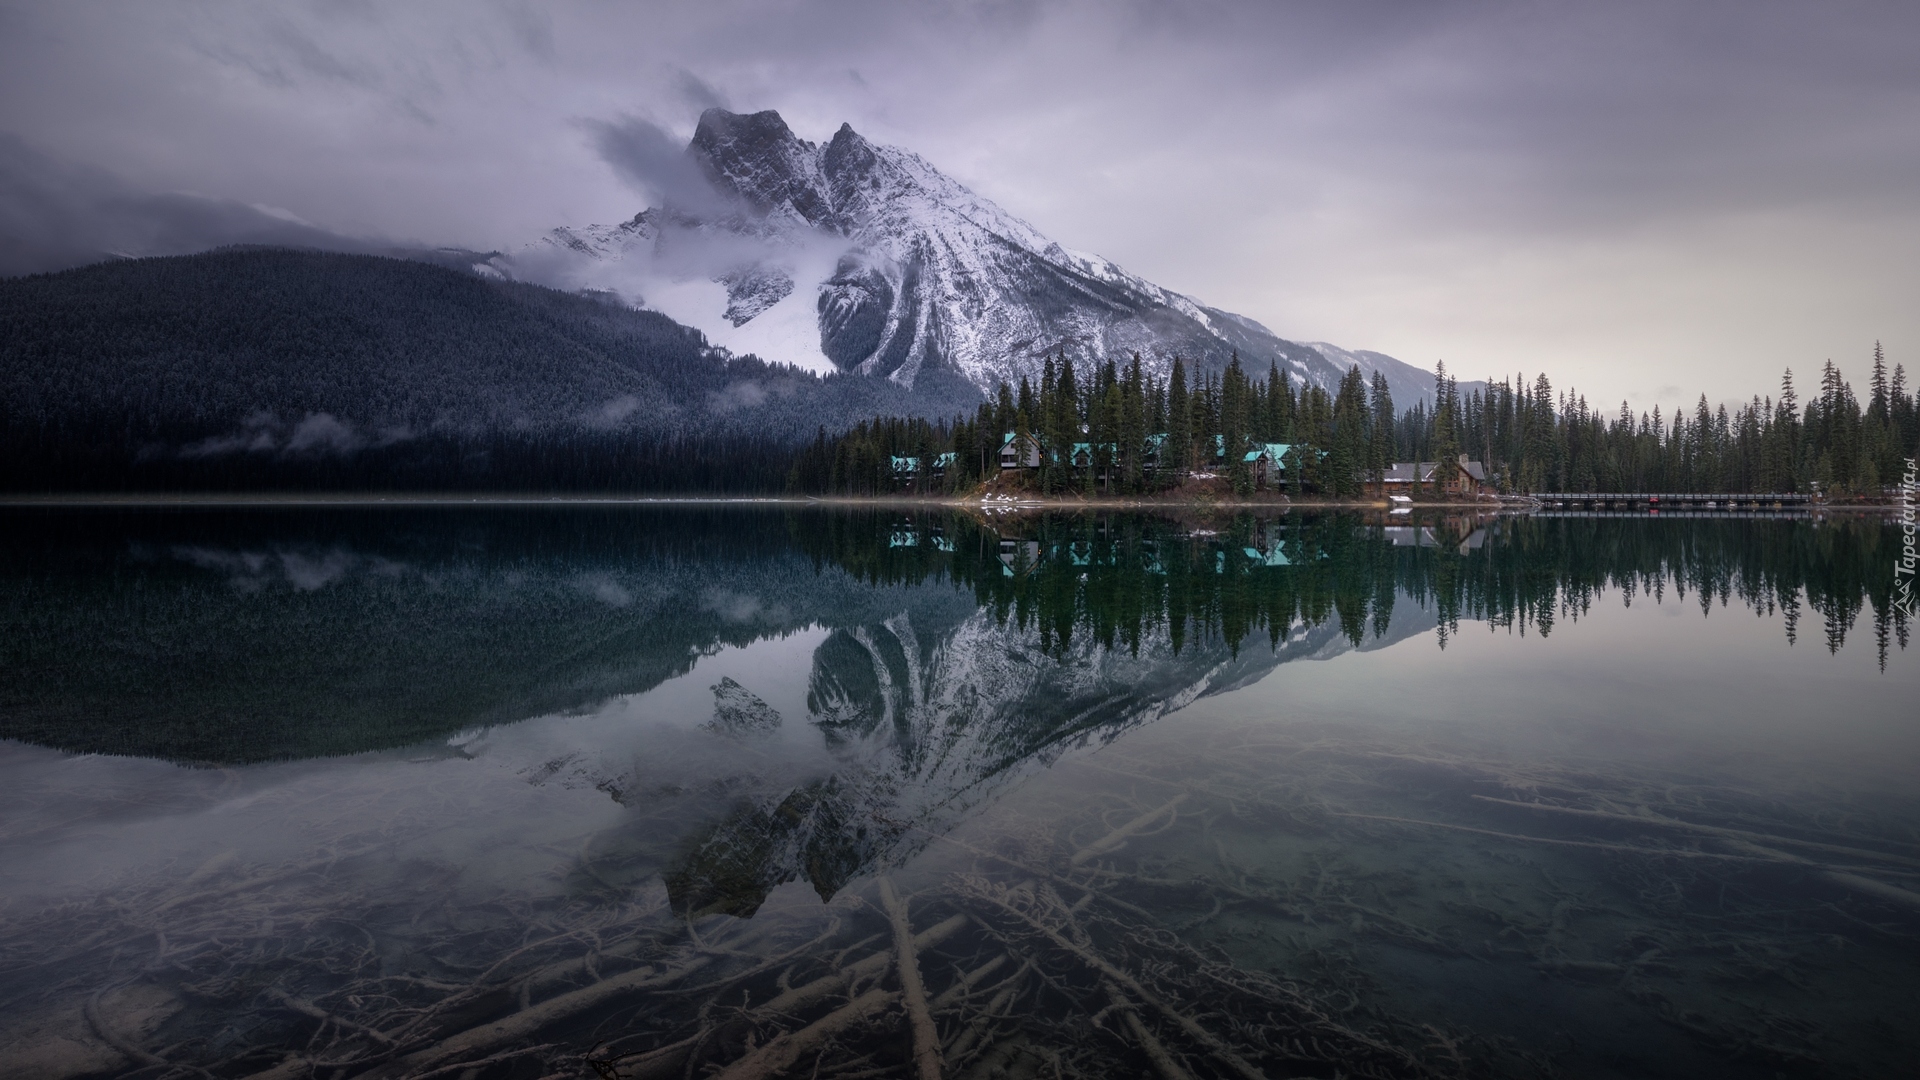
1903	596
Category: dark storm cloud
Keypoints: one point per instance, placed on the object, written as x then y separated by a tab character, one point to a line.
1623	190
533	29
654	162
54	216
700	95
1618	111
289	57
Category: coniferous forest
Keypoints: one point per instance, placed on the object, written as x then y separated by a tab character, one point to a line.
1118	431
268	369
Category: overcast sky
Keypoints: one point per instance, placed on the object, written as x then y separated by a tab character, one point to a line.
1649	200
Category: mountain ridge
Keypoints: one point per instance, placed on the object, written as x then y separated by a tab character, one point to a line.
897	269
282	357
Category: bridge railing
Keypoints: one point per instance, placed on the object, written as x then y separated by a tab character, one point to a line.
1685	498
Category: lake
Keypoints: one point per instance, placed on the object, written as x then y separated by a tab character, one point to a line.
705	791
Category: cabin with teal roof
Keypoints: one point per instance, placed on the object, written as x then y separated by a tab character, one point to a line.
1018	451
1268	462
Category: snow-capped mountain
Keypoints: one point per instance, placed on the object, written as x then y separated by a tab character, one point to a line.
868	259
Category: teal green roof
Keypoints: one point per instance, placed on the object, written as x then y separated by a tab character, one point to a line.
1273	451
905	464
1271	557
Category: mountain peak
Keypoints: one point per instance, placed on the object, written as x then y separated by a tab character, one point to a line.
720	129
845	139
866	256
757	159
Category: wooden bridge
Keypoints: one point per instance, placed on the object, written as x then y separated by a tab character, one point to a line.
1742	513
1665	500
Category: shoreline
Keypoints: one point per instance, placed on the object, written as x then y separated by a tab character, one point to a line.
132	500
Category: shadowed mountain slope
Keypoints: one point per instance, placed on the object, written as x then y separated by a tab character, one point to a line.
275	353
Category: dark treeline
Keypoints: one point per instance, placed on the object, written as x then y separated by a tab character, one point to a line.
1120	431
236	635
285	369
573	460
1831	443
1116	579
270	369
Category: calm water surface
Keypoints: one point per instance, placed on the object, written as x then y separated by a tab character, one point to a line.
527	793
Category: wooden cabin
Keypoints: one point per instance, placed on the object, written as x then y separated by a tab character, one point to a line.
1019	451
1470	479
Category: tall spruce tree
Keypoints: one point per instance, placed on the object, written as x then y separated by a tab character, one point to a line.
1177	453
1133	426
1063	429
1380	434
1880	441
1446	440
1348	459
1234	402
1906	425
1050	467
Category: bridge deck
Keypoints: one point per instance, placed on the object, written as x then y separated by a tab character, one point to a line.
1723	498
1797	513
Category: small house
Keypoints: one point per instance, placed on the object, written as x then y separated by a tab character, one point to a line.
1019	451
1095	460
1082	456
906	468
1268	462
1153	450
1470	478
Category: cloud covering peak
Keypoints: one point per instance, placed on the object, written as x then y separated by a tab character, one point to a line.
55	215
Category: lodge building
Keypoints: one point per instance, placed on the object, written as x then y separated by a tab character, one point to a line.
1469	479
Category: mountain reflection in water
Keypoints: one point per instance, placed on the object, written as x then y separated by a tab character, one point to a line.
443	767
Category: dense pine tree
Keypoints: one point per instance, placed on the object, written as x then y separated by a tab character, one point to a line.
1529	438
1177	451
391	375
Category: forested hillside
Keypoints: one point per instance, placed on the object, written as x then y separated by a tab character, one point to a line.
271	367
266	369
1120	431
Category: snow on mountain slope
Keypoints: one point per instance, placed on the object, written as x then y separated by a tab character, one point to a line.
860	257
1369	362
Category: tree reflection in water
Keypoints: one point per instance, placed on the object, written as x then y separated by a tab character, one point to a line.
1229	899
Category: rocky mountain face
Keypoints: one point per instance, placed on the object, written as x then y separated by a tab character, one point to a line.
868	257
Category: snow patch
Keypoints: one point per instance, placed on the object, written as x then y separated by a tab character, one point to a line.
948	278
